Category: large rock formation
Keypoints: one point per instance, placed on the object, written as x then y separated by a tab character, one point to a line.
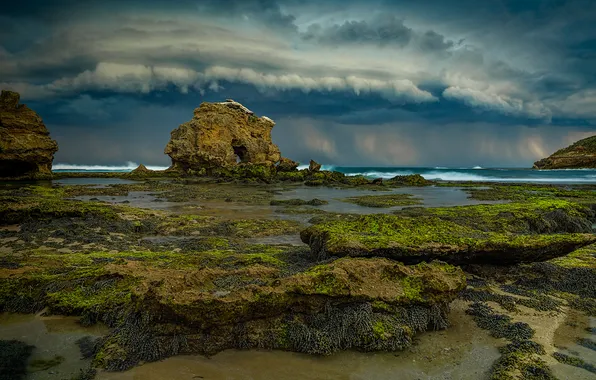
501	234
581	154
26	149
222	135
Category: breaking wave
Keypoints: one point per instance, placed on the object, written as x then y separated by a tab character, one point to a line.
129	166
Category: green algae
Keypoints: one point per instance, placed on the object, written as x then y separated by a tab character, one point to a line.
386	200
423	238
408	180
542	215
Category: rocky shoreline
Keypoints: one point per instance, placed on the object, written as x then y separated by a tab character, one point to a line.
202	286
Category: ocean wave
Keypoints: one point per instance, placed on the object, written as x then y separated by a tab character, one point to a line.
323	167
454	175
107	168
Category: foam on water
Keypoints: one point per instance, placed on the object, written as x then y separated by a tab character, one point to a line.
475	173
129	166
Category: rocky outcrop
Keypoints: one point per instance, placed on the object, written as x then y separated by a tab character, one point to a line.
314	166
222	135
581	154
464	235
287	165
26	149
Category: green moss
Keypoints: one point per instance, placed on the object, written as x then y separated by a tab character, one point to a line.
407	238
386	200
408	180
246	171
582	258
530	193
297	176
510	217
412	288
380	330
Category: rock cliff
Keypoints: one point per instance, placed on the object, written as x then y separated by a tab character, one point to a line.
26	149
222	135
581	154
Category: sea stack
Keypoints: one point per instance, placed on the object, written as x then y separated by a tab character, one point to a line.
26	149
579	155
221	135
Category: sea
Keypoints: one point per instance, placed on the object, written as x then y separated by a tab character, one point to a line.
473	174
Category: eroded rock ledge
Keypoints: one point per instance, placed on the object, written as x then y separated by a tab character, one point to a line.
26	149
459	235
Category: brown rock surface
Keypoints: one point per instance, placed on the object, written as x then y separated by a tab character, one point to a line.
581	154
314	166
26	149
222	135
287	165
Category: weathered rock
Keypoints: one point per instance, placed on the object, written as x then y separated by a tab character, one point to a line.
581	154
377	181
142	171
409	180
26	149
287	165
222	135
314	166
428	238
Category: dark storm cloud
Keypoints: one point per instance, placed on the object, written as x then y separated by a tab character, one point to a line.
499	82
266	11
384	30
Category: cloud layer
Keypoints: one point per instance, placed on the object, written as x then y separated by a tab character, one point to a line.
360	77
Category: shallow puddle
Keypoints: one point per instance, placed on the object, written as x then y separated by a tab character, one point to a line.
52	337
430	196
566	341
463	351
99	182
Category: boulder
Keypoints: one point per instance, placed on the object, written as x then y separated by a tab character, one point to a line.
287	165
222	135
581	154
26	149
409	180
314	166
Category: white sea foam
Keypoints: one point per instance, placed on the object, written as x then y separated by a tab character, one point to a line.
454	175
104	168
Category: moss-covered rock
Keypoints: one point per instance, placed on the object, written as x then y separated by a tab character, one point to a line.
203	303
427	238
408	180
538	216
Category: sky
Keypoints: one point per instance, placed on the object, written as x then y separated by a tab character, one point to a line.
360	83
